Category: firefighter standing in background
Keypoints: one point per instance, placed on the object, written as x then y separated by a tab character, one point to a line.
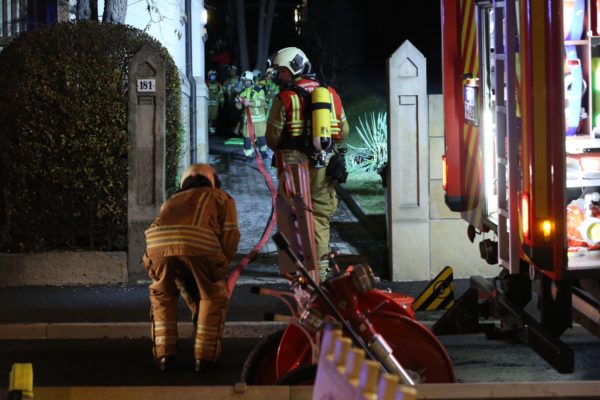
271	89
253	98
287	136
189	248
258	79
233	87
215	100
232	84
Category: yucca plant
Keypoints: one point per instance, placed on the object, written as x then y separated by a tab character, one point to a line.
372	155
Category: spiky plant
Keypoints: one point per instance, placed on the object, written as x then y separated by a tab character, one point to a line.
372	155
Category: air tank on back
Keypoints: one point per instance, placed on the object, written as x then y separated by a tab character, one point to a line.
321	119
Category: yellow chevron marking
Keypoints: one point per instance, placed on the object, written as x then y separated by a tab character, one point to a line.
437	293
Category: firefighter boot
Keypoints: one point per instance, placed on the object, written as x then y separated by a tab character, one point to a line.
248	150
166	363
262	147
202	366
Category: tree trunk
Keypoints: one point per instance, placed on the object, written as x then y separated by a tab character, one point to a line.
241	23
87	9
265	24
231	22
260	41
115	11
268	28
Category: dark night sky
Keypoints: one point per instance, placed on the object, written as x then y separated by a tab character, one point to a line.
383	24
392	22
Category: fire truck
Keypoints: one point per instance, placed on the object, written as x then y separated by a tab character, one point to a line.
521	85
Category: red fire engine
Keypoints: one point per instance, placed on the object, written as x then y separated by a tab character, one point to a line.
522	164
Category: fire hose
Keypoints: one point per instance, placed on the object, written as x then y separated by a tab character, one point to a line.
235	274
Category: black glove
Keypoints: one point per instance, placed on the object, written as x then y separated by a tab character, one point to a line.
336	169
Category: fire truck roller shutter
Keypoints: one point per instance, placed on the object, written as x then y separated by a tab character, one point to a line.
575	86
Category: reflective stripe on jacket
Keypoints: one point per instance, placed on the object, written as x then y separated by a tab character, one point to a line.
195	222
294	109
256	103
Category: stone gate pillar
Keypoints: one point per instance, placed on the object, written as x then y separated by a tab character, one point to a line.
146	182
408	165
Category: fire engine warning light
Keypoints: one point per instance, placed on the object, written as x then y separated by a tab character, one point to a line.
444	173
547	229
525	214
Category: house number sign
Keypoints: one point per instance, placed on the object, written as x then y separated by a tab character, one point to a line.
146	85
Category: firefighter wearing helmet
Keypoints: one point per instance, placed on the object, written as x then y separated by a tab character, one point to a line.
232	85
287	134
252	100
271	88
189	247
216	100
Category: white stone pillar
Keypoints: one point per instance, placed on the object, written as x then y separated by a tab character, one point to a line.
146	178
201	120
198	67
408	162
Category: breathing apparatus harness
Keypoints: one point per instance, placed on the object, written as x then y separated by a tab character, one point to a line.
316	140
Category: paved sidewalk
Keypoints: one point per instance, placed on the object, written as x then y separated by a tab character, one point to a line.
247	186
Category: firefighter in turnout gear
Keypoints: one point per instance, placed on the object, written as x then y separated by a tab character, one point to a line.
271	88
253	98
258	78
189	247
232	88
232	85
288	134
215	100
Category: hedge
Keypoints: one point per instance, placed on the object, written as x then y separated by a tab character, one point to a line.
63	136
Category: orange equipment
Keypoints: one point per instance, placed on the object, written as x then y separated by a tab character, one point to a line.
381	324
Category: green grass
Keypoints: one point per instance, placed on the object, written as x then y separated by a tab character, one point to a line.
367	191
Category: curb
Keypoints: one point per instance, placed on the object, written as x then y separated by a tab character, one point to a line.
141	330
355	209
126	330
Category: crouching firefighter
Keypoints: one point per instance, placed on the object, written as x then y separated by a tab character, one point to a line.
189	247
305	122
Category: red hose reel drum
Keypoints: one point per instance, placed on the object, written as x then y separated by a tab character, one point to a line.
415	347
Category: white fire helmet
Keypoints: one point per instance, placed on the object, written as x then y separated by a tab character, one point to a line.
293	59
248	75
247	78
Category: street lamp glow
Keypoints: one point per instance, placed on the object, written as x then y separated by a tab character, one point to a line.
204	16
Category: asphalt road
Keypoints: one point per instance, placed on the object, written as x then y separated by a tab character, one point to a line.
116	362
477	360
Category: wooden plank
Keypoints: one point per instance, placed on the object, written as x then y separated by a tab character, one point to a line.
509	391
475	391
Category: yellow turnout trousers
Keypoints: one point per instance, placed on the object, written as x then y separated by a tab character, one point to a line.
324	203
210	290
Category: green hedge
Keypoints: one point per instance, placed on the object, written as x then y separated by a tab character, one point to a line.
63	136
